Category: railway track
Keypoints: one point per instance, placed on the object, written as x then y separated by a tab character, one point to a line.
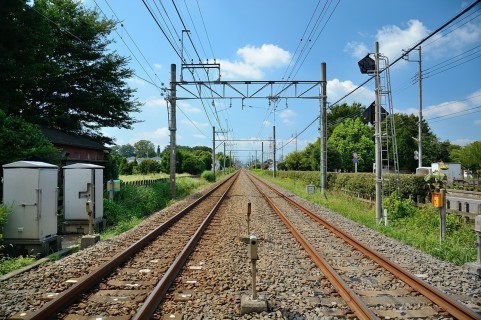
405	289
135	280
188	271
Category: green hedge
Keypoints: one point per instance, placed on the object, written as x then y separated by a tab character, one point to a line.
362	184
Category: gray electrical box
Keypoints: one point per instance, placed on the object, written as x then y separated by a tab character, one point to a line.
310	189
82	182
30	192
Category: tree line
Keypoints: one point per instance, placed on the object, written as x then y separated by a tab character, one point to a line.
148	159
348	132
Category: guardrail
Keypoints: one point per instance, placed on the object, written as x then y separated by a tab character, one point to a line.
463	203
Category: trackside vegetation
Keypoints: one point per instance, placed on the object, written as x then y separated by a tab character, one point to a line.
133	203
408	223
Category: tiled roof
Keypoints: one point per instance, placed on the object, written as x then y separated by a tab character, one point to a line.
59	137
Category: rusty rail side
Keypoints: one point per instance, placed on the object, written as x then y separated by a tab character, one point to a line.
443	300
65	298
360	309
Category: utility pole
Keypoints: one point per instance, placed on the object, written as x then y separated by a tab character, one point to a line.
420	128
377	135
213	151
274	150
172	128
262	154
223	169
322	127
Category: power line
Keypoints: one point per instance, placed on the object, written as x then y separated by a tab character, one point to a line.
398	59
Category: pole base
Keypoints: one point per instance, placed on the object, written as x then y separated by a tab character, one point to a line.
89	240
248	305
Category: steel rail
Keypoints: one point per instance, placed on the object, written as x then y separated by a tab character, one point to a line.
66	297
360	309
152	302
443	300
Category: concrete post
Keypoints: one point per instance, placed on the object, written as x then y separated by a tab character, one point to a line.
442	216
172	128
323	129
377	135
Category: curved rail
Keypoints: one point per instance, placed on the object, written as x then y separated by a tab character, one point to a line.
451	305
71	294
360	309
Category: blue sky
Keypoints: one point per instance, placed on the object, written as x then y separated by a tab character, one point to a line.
263	40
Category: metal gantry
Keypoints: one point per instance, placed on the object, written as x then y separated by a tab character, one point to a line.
218	89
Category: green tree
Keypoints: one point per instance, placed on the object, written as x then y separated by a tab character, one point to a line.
57	69
470	157
297	160
354	136
126	150
144	148
147	166
24	141
337	114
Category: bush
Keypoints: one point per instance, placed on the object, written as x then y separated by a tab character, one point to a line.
133	202
208	175
398	208
136	202
4	211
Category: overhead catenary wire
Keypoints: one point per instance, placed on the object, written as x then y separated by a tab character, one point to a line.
405	53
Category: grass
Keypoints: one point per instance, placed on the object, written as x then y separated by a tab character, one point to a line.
421	230
8	264
135	203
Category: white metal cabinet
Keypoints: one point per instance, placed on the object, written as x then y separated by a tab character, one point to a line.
30	191
78	178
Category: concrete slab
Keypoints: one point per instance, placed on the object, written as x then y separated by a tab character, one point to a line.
424	313
248	305
474	268
89	240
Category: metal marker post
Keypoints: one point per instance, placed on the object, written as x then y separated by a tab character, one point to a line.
254	257
442	215
248	217
111	193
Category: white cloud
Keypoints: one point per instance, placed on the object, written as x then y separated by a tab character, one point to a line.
475	98
454	42
392	39
462	142
448	108
477	122
194	123
253	61
199	136
357	49
336	89
154	102
287	115
266	124
136	81
157	66
186	107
